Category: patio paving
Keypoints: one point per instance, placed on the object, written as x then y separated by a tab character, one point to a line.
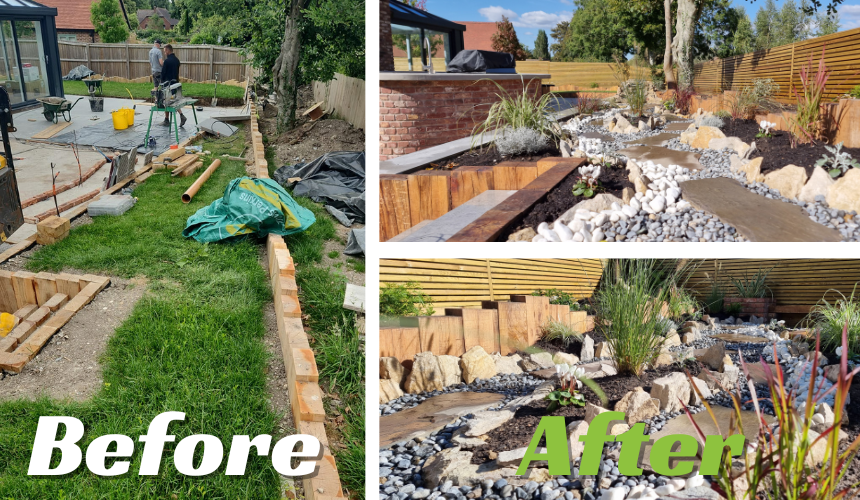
655	140
677	126
597	135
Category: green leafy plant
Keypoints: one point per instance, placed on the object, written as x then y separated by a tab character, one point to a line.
572	379
781	459
855	92
404	299
765	129
752	287
829	318
744	103
556	330
557	297
517	111
669	104
681	303
594	85
808	126
637	96
840	162
715	297
588	185
107	18
734	309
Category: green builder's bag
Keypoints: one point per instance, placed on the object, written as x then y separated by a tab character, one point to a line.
258	206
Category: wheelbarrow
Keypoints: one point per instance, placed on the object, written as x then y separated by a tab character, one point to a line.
94	85
56	106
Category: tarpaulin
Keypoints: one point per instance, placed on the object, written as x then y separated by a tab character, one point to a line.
355	242
79	73
478	61
249	206
334	179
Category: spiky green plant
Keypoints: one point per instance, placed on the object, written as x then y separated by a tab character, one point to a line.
829	317
754	287
556	330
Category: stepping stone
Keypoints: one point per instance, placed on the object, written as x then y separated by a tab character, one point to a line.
448	225
740	339
677	126
663	156
432	415
655	140
757	218
757	372
597	135
682	425
673	118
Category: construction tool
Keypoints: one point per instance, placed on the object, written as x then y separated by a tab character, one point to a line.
54	188
215	93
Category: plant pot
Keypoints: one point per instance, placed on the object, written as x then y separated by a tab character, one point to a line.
758	307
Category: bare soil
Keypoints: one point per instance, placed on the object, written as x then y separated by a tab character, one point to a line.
490	156
777	150
68	366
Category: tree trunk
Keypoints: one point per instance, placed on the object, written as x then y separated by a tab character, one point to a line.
667	57
284	74
685	30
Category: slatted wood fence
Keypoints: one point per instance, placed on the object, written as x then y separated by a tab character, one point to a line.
468	282
797	284
131	61
783	64
343	96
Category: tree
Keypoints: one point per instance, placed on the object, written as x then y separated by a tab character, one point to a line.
826	24
743	39
557	34
596	33
505	40
541	46
668	71
765	26
714	37
108	21
792	24
682	45
285	72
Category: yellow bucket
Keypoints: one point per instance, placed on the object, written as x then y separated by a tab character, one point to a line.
119	119
129	116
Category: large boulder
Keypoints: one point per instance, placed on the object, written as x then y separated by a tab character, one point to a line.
703	388
592	411
818	184
426	375
789	180
712	357
574	431
725	380
451	464
672	339
602	350
450	368
638	405
688	136
587	351
844	194
388	390
704	136
672	390
752	168
476	363
508	365
563	357
391	369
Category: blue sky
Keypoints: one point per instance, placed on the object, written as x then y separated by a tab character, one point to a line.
529	16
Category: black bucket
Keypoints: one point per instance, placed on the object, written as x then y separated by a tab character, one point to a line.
97	104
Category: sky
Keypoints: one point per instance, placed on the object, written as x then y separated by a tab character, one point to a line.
529	16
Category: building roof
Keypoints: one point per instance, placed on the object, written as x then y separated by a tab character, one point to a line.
407	15
26	7
478	35
160	11
75	14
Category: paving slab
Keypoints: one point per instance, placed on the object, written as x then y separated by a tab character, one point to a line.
432	415
217	128
755	217
660	139
736	338
110	205
677	126
354	298
663	156
448	225
597	135
412	230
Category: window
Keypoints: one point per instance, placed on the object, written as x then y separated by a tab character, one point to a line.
67	37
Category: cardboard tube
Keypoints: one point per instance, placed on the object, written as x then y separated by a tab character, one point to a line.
187	195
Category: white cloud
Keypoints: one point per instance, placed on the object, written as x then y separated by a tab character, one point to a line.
533	19
849	16
529	33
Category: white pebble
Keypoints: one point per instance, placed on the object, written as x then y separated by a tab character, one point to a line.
564	232
694	481
578	237
599	219
628	211
598	235
538	239
576	225
666	489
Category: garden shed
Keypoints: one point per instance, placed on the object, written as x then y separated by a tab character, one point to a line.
30	66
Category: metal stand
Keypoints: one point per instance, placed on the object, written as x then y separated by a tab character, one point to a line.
172	111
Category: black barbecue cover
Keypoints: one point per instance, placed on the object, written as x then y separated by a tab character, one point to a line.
476	61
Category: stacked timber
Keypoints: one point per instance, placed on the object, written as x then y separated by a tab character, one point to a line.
180	163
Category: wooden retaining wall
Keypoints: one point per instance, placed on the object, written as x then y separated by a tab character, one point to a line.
797	284
471	282
343	96
306	396
498	326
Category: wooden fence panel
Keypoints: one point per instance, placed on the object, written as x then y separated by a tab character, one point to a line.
343	96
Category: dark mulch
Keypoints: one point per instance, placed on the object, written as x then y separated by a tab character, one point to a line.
489	155
561	198
574	347
518	432
776	150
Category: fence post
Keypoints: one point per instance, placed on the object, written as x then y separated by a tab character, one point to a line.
127	63
87	49
490	279
211	63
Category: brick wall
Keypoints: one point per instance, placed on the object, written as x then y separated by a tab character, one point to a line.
81	36
386	50
416	115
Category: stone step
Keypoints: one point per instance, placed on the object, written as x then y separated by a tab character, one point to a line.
448	225
411	230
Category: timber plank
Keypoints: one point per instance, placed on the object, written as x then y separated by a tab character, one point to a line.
511	175
429	195
480	327
394	208
441	335
490	226
513	325
470	181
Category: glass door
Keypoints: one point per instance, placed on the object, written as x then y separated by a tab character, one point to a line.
34	66
10	77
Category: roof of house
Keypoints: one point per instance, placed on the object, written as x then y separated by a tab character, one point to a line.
478	35
75	14
160	12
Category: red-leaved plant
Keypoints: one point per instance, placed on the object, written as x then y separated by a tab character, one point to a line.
684	99
588	103
778	462
808	124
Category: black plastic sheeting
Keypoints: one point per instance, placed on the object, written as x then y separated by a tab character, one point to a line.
79	73
476	61
334	179
355	243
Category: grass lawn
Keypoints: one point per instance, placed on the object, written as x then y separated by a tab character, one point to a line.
193	344
141	90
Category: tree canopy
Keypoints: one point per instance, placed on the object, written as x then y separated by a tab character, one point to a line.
108	21
541	50
505	40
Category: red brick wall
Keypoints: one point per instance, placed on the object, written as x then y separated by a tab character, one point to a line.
386	51
416	115
81	36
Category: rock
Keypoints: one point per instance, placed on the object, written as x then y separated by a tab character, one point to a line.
528	365
600	202
574	430
426	375
671	390
388	390
627	194
449	366
592	411
818	184
525	234
844	194
688	136
390	368
563	357
621	122
602	350
587	351
476	363
544	359
672	339
664	359
739	146
752	169
832	373
789	180
506	365
485	421
465	442
818	451
638	405
727	379
713	356
566	150
514	457
703	388
451	464
704	135
617	493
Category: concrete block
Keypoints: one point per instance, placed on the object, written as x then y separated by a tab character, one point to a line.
110	205
452	222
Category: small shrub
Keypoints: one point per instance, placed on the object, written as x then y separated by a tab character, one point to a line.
752	287
681	304
715	297
765	129
855	92
556	330
557	297
734	309
589	103
594	85
840	162
517	111
405	299
808	125
521	141
636	93
723	114
711	121
571	380
830	318
669	104
684	99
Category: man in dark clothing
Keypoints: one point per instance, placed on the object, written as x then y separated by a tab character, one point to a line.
169	75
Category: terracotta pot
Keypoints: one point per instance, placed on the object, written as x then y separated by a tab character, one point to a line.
758	307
